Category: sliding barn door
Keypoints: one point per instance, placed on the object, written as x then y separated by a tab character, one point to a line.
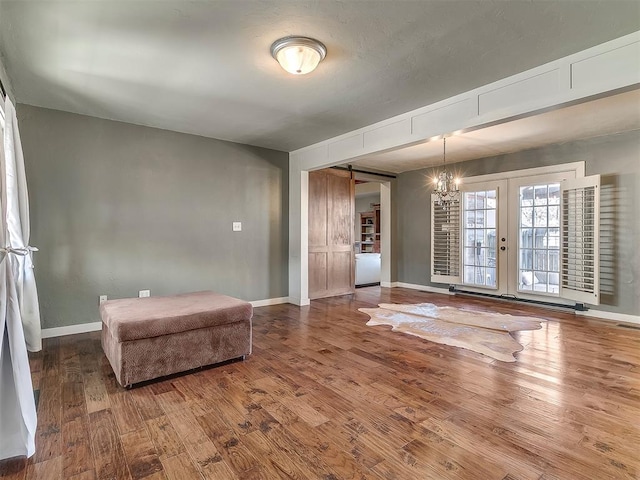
331	216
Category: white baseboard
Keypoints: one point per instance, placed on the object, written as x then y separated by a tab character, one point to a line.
389	284
601	314
424	288
71	329
270	301
300	302
616	317
97	326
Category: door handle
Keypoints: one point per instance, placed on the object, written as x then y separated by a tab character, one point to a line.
503	248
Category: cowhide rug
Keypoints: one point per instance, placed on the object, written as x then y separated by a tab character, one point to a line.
482	332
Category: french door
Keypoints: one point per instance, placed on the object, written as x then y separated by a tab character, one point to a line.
484	226
527	236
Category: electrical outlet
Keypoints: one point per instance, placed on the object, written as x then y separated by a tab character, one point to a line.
236	226
103	298
144	293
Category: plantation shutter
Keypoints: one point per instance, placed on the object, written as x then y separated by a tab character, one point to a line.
580	259
445	241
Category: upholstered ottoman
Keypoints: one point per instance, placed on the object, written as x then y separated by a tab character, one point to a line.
147	338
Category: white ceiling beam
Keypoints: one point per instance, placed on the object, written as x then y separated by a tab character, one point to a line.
604	69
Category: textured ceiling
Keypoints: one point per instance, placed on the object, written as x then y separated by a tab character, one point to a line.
205	67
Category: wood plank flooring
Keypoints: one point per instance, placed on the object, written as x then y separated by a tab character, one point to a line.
325	397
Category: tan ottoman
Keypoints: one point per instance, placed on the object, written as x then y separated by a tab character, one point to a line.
147	338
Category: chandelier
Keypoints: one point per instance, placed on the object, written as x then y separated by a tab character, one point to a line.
445	184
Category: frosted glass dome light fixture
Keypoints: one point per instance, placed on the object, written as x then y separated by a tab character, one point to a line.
298	55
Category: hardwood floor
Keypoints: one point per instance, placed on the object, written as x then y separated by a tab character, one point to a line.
325	397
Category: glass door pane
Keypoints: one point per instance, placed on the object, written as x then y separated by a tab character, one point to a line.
539	238
480	245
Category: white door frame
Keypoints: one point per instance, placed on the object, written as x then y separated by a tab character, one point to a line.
385	234
299	262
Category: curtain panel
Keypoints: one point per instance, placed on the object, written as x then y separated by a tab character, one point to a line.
19	312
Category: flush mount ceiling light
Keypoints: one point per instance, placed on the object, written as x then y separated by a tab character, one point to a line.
298	55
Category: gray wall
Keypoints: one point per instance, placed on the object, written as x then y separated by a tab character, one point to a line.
5	78
117	208
363	203
615	157
3	68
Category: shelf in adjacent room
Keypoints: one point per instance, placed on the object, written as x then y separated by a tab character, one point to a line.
370	231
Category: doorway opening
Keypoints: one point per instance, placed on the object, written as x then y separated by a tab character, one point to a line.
373	197
367	234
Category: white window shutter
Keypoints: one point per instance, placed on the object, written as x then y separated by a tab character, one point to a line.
580	257
445	242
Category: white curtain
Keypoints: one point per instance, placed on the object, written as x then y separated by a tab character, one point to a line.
18	228
19	312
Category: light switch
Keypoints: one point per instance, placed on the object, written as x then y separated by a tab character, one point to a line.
237	226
